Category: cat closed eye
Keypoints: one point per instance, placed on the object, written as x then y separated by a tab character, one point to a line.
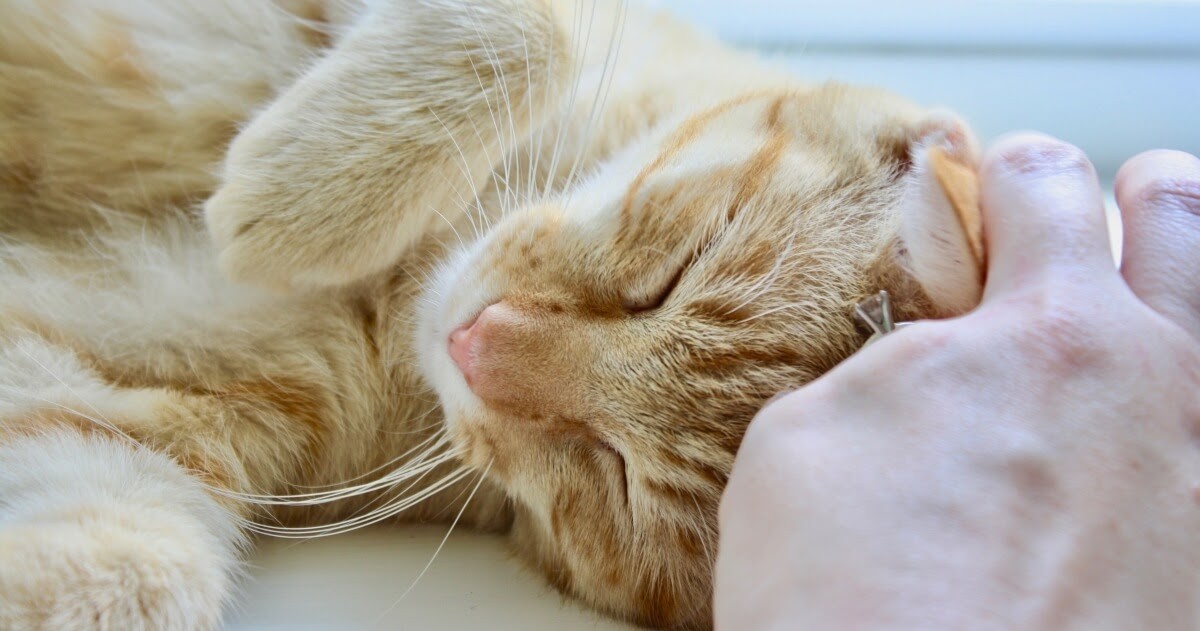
618	460
657	299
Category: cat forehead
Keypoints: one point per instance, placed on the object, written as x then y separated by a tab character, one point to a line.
787	143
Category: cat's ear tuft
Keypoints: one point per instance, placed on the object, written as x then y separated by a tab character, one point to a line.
941	222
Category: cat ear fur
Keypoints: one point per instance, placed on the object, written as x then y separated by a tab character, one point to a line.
941	220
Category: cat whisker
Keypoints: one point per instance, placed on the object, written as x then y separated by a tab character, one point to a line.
424	415
494	62
495	174
422	463
383	498
383	466
422	284
378	515
102	420
465	167
560	135
442	544
602	89
491	112
532	153
464	207
391	508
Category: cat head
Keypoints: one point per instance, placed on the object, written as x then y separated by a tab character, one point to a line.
601	355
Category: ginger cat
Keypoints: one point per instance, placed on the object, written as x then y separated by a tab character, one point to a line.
527	265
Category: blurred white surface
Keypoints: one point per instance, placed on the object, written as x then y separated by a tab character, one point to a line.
355	582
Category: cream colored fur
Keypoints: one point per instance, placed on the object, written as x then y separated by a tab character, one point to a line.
235	236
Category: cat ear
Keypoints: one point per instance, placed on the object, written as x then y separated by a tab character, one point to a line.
941	225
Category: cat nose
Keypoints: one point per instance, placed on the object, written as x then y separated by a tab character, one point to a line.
468	343
460	348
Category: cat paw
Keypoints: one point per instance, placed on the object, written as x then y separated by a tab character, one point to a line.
90	571
96	535
352	165
294	213
253	242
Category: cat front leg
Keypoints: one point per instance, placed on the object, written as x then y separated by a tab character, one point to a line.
108	519
403	120
97	534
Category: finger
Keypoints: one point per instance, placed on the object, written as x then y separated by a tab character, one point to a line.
1159	196
1043	215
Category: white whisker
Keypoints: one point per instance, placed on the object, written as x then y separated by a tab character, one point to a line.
377	469
482	477
560	137
374	517
421	463
102	421
494	61
607	76
491	112
533	151
466	169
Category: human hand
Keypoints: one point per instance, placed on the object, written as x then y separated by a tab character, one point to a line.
1033	464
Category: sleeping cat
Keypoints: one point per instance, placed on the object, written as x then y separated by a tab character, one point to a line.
294	266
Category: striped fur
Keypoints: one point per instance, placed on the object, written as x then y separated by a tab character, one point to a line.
374	176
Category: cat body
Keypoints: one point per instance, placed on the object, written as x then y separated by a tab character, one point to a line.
255	252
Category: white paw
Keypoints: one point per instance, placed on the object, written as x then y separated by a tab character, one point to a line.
252	241
305	202
85	571
96	535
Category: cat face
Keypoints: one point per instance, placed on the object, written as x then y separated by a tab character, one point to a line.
601	355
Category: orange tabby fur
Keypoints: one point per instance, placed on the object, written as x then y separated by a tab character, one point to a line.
661	266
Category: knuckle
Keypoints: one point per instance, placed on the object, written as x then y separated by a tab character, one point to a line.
1028	460
1041	155
1173	193
1064	335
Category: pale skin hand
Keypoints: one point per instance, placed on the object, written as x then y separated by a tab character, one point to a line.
1034	464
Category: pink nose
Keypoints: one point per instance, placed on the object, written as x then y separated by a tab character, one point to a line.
478	346
462	349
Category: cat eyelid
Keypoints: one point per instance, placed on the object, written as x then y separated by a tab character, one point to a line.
659	298
622	466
